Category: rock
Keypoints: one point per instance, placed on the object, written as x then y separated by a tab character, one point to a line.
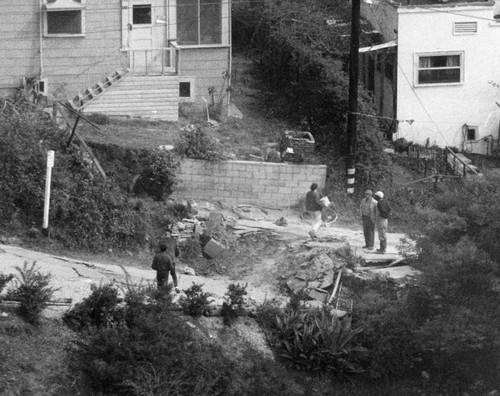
328	279
321	263
296	285
34	232
313	284
213	248
396	274
216	217
307	274
317	295
198	229
314	304
281	222
188	271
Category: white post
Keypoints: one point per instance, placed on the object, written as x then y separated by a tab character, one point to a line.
48	175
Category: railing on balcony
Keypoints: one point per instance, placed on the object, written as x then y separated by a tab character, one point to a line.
154	61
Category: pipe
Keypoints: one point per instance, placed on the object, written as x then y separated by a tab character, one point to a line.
42	72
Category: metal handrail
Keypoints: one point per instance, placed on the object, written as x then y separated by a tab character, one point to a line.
156	60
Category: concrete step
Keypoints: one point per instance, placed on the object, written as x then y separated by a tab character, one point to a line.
140	96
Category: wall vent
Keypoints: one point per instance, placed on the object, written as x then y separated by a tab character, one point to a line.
464	27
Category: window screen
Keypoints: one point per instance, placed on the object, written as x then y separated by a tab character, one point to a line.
199	22
141	14
64	22
185	89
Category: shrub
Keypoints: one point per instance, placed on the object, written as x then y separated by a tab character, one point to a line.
99	309
317	341
159	175
4	279
98	118
33	291
232	307
195	143
196	302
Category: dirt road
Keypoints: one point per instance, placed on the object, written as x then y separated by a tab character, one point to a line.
74	277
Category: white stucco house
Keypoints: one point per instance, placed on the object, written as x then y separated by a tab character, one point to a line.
438	72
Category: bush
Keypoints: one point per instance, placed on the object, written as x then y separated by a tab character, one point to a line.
32	290
196	302
4	279
317	341
25	137
232	307
195	143
98	118
99	309
159	175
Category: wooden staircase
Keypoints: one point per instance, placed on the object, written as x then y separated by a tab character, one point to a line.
124	94
461	165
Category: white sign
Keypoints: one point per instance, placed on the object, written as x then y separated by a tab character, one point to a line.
50	159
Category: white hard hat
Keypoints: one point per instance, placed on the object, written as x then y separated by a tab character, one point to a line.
379	194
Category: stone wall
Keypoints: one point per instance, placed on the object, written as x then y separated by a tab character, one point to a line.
267	184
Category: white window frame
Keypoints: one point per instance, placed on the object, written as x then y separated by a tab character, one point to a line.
416	67
62	6
224	28
474	128
192	96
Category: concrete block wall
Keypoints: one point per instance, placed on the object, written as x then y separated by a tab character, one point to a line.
274	185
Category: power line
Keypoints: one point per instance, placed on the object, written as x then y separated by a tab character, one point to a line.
422	105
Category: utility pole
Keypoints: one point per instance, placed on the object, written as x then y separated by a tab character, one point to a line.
352	118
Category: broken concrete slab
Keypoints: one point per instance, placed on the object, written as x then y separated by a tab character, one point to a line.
296	285
214	249
317	295
396	274
328	279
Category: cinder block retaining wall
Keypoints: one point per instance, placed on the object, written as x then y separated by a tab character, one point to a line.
244	182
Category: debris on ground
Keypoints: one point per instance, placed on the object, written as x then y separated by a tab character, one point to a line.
281	222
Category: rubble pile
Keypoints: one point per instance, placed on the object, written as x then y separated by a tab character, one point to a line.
315	276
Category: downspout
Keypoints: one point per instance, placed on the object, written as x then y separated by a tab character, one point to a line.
230	61
42	71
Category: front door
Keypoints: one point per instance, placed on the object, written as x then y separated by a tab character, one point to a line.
146	35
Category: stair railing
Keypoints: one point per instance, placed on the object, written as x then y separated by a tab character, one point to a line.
105	66
154	61
457	165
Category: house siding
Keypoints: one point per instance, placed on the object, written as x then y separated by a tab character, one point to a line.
73	63
206	65
19	43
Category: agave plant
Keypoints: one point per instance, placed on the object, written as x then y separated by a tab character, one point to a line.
317	340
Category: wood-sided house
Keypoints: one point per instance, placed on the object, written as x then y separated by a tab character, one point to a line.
118	57
437	76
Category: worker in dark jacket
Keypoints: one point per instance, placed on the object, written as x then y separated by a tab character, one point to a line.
383	211
163	264
171	244
314	207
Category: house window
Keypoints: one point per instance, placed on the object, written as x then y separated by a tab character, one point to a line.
141	14
64	18
199	22
440	68
186	90
460	28
470	132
